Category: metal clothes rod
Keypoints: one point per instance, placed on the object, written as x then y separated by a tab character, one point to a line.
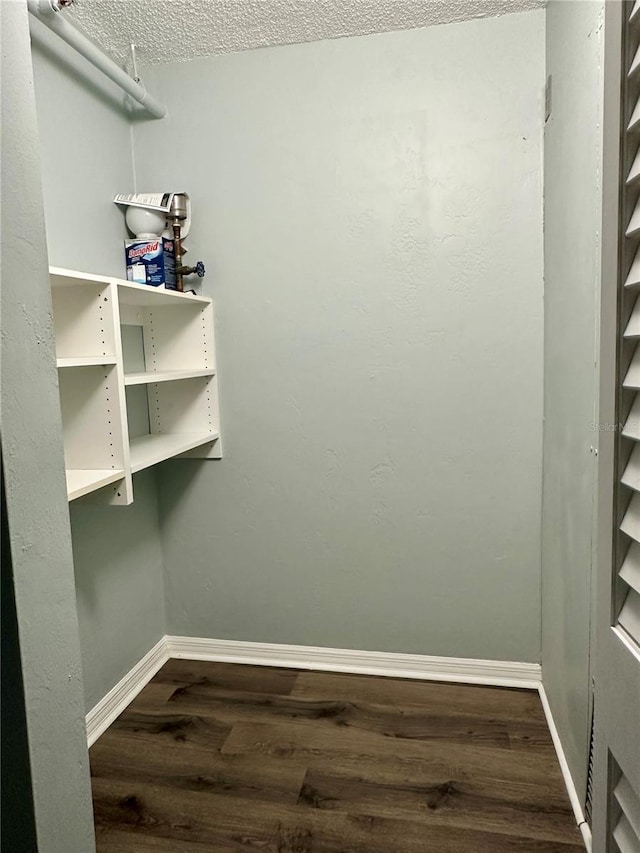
54	20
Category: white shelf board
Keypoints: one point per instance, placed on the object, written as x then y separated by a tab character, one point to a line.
81	483
67	278
87	361
165	376
147	450
130	292
147	296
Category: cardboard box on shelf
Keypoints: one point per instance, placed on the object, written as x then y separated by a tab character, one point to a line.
151	262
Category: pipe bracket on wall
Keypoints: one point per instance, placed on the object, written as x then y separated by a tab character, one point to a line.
48	12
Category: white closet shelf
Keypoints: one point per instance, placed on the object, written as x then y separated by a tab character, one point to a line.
87	361
145	296
165	376
130	292
81	482
148	450
60	277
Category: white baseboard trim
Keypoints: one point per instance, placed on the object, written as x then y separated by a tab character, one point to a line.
391	664
113	704
576	805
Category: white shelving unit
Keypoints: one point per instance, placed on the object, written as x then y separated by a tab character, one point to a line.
127	408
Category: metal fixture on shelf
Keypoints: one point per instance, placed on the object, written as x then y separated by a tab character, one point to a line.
179	212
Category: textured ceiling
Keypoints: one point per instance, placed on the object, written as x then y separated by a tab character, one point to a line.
177	30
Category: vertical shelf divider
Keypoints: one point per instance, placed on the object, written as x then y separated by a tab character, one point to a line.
120	493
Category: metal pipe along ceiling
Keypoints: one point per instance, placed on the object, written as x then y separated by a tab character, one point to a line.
47	14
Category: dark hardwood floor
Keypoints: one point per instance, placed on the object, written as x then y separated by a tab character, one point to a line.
226	758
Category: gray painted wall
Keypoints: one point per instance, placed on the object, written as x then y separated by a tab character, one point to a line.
40	538
85	137
119	585
370	212
572	244
85	142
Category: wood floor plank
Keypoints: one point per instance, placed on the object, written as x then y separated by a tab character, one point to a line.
195	770
110	840
447	803
531	737
393	771
228	676
207	698
489	702
161	729
153	696
411	723
225	823
300	742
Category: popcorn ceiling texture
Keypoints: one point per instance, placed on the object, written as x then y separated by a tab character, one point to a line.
179	30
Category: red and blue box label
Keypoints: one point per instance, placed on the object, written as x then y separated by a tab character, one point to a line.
151	262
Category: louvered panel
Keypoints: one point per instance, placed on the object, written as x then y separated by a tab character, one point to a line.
625	837
631	428
634	223
622	819
629	616
633	277
628	589
632	378
635	117
629	802
588	802
631	476
630	571
631	521
633	326
634	171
